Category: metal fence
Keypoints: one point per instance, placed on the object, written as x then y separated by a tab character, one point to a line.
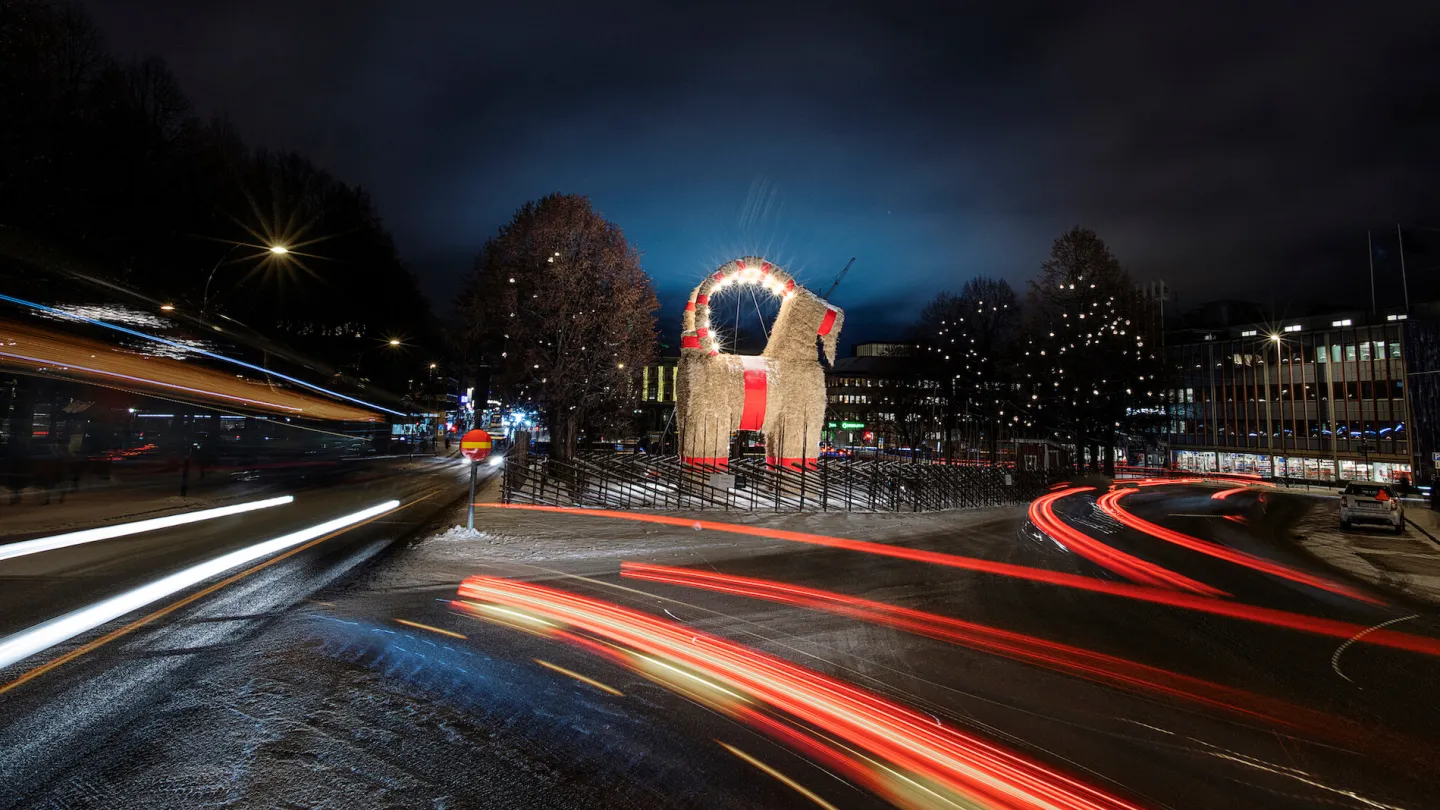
643	481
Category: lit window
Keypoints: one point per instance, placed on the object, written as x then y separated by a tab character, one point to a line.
1346	322
1396	317
1294	327
1250	333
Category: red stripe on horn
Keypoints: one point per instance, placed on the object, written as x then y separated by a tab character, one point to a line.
718	275
689	306
790	285
689	342
702	299
702	332
752	416
827	323
764	267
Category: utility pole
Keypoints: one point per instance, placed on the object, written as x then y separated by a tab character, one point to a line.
1370	243
1403	282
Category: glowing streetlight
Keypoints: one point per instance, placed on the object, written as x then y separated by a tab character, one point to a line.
167	307
394	341
434	366
620	365
275	250
1275	338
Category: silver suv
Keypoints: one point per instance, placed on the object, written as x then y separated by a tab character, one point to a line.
1371	502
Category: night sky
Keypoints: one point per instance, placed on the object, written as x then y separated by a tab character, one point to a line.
1232	150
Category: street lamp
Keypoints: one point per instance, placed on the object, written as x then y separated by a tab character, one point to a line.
277	250
394	341
1270	426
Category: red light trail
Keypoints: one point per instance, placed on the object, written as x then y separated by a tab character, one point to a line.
930	757
1042	514
1110	504
1188	601
1225	493
1093	666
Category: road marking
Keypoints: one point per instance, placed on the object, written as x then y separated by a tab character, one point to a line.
780	777
581	678
39	544
174	606
419	626
1335	659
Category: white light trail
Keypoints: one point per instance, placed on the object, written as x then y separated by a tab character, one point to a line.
39	544
47	634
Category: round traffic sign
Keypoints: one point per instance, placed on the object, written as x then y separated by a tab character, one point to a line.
475	445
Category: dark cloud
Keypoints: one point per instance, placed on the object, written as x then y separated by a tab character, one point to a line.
1232	149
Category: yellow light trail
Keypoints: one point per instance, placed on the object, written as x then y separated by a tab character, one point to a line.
419	626
779	777
581	678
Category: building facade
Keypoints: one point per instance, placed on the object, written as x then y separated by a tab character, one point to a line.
1315	398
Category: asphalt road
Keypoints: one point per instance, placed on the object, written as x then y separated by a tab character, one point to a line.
346	676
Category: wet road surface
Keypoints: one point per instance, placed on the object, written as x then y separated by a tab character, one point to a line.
350	675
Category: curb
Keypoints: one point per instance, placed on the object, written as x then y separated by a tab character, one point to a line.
1417	528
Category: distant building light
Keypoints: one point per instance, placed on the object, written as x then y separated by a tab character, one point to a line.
1250	333
1210	336
1294	327
1345	322
1397	317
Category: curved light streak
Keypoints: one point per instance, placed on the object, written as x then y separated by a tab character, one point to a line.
187	348
1225	493
41	544
1110	504
1055	656
1423	645
1042	514
958	762
43	636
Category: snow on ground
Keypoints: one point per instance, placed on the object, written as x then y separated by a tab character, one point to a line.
1408	564
526	535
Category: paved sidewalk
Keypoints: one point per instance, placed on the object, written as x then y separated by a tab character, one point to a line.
1407	564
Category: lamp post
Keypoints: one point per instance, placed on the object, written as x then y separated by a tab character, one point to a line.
275	250
1269	414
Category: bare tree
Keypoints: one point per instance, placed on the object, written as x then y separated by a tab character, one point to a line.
1093	349
970	338
563	314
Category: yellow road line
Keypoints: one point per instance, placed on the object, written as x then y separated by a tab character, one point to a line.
581	678
419	626
782	778
174	606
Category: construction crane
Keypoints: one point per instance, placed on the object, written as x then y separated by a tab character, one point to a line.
838	279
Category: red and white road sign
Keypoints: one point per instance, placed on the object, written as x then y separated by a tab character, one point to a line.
475	445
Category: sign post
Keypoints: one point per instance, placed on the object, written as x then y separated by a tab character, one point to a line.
475	446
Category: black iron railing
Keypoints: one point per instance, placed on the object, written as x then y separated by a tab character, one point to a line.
640	481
